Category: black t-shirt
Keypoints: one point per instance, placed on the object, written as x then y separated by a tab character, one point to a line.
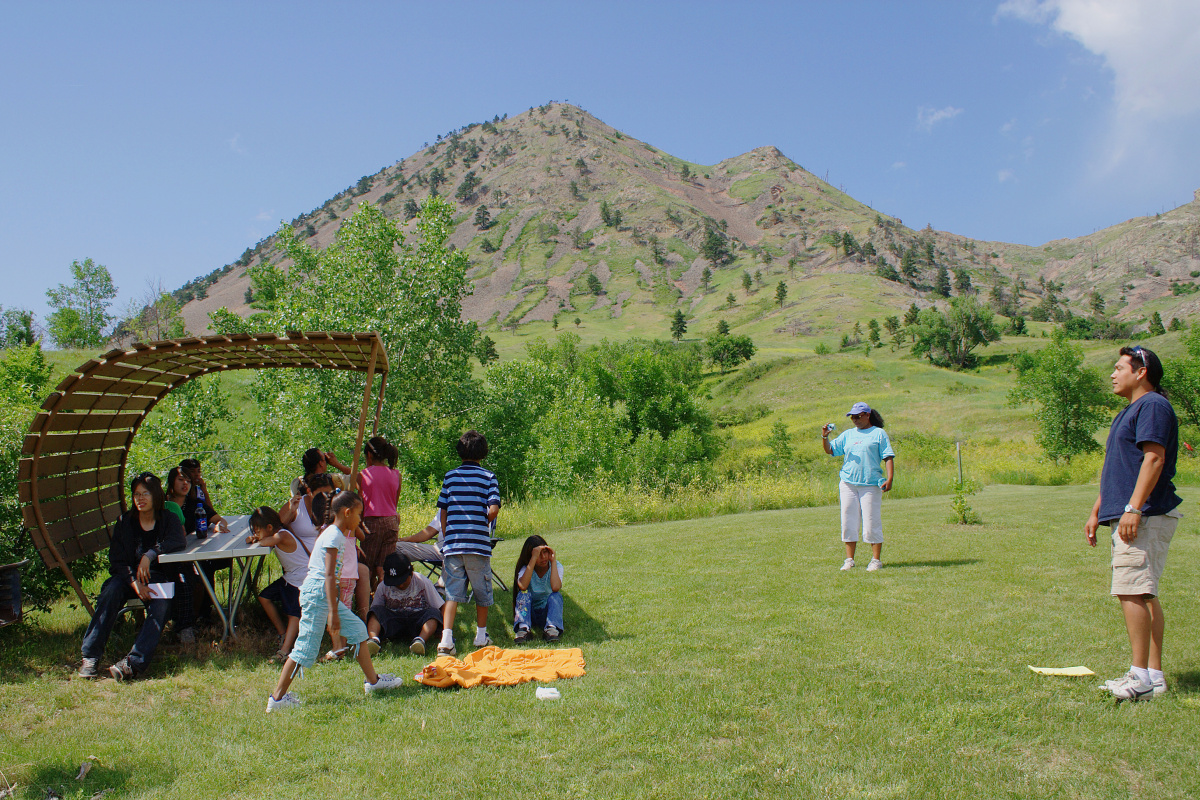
1150	418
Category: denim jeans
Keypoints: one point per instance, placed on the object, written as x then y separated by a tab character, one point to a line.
528	617
113	596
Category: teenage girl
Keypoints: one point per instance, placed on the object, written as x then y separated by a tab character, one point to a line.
868	454
379	486
538	602
267	529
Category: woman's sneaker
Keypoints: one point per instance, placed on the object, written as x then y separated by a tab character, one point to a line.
848	564
88	668
1132	688
875	565
382	683
289	700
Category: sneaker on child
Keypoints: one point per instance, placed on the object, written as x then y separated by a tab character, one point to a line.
447	649
383	681
88	668
875	565
482	640
553	634
121	671
373	646
289	700
417	648
522	636
848	564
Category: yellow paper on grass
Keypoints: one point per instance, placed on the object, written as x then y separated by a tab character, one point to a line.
1073	672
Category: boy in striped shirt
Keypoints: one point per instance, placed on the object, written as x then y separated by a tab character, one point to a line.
468	505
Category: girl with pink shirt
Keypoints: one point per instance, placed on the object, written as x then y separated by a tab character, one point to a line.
379	486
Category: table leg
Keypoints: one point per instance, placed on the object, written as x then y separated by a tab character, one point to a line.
235	597
208	587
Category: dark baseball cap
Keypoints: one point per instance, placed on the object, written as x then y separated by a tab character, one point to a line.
396	569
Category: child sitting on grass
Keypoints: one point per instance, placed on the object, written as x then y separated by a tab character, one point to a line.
537	592
267	530
320	608
469	503
406	607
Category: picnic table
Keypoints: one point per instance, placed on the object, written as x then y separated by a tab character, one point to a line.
231	545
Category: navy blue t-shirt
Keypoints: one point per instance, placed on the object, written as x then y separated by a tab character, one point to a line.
1150	418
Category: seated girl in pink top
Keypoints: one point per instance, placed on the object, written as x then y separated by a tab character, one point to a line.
379	487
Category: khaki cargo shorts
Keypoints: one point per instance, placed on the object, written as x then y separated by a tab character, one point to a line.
1138	565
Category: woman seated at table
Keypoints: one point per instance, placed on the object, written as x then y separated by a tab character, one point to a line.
196	507
139	537
179	486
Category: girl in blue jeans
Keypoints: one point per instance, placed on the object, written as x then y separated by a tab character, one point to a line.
538	598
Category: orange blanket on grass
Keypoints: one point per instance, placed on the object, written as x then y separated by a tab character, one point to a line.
492	666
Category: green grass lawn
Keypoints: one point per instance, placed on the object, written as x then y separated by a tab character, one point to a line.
727	657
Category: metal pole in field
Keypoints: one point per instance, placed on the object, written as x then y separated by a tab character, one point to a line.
958	455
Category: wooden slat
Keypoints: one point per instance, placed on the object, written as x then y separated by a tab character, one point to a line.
114	386
105	402
94	421
61	463
93	440
70	484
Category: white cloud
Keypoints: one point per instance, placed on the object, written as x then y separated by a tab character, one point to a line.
1006	175
928	116
1009	126
264	216
899	165
236	145
1151	48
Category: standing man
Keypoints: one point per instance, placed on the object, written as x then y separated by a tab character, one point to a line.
1138	501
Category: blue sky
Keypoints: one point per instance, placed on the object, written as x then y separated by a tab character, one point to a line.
162	139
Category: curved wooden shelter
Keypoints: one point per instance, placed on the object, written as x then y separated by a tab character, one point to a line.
72	469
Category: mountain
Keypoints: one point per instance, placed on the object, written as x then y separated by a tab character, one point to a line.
569	197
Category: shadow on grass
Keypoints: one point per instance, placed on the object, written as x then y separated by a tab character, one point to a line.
950	562
51	780
1187	682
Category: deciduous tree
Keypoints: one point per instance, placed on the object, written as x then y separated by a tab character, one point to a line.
1071	402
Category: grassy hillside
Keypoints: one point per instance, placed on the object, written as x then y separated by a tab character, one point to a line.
546	176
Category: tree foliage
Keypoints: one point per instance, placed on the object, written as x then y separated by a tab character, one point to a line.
1071	402
371	278
81	315
715	248
948	339
726	352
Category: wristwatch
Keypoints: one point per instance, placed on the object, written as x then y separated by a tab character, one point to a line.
1131	510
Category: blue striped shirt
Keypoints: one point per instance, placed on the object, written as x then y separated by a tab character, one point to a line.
467	491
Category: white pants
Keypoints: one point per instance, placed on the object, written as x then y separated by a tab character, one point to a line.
861	503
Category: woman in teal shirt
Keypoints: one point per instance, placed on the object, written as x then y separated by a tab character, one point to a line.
868	454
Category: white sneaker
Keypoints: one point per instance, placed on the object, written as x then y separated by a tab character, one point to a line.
447	649
482	641
875	565
1131	688
289	700
1160	686
383	682
848	564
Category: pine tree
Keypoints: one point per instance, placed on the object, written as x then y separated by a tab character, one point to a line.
942	286
722	327
781	293
678	325
1156	325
